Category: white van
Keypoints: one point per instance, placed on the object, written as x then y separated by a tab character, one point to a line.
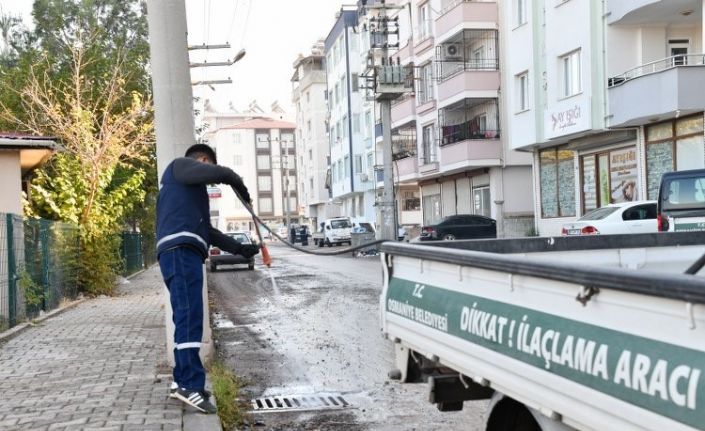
337	231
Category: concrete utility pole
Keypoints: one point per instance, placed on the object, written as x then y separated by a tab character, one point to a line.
390	83
173	117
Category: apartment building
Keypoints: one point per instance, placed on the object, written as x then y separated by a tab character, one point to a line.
448	134
350	119
309	94
262	150
605	95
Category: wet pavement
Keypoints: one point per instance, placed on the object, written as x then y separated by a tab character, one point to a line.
310	325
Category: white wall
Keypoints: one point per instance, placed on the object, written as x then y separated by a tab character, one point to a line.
11	180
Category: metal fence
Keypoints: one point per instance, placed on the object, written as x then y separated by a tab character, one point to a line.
39	264
38	267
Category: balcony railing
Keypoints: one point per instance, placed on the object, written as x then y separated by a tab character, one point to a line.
403	146
682	60
469	119
469	50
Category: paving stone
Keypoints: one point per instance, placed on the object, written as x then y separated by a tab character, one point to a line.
93	366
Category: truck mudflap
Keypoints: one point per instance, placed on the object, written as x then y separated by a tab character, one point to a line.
620	360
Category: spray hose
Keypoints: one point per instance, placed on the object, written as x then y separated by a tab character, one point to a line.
305	250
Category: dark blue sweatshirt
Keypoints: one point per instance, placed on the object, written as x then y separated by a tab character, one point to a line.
183	211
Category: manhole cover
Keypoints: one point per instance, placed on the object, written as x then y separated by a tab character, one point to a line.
299	403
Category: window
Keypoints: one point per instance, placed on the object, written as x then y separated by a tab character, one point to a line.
355	82
424	22
292	204
345	126
571	75
338	130
262	141
335	172
368	123
263	163
310	154
347	166
522	83
358	164
308	128
429	155
237	160
308	97
264	183
521	13
411	201
356	123
609	177
265	205
310	183
481	201
344	89
674	145
236	138
557	183
337	93
370	162
425	84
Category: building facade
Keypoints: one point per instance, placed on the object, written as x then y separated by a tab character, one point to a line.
350	120
603	95
450	146
263	152
309	94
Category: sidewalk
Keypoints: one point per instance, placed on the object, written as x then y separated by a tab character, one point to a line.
100	365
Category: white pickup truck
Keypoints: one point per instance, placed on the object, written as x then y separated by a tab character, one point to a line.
334	231
594	333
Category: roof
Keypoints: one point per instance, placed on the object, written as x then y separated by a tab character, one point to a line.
22	140
262	123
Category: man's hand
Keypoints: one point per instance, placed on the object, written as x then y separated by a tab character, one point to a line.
249	250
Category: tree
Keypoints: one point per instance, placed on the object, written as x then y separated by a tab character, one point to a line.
95	180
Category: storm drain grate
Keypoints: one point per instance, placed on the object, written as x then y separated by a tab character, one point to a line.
299	403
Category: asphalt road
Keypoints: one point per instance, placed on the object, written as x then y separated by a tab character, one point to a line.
310	325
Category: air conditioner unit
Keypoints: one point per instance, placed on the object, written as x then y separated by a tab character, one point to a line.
364	178
453	51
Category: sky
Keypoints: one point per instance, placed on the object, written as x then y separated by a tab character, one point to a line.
273	32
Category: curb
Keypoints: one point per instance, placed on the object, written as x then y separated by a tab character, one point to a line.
13	332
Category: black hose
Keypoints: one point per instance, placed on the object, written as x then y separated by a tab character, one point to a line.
305	250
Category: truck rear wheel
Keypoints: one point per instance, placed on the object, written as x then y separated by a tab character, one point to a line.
511	415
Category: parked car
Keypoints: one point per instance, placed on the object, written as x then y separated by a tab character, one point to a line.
681	201
334	231
626	217
218	257
461	226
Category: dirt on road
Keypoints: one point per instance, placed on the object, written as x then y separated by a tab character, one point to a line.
310	325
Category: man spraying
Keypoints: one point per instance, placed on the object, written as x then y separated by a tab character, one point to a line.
184	234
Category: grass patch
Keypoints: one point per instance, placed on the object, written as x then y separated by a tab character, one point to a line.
226	388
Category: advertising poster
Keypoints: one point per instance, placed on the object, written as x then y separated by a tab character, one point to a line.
623	175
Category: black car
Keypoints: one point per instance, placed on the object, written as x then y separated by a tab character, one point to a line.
461	226
218	257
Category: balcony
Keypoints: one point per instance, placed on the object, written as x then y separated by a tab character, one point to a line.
404	110
483	152
407	170
457	13
468	62
657	90
637	12
469	119
404	144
